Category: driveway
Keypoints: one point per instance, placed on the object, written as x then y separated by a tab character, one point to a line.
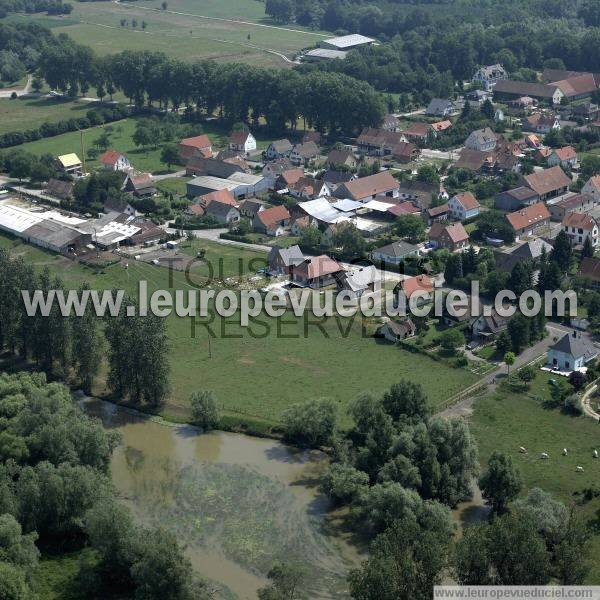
22	92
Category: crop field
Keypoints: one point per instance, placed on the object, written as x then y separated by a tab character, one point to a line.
236	30
261	370
506	421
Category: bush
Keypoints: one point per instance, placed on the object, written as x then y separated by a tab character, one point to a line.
572	405
205	410
342	483
311	423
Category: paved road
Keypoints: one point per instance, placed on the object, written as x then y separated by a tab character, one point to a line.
22	92
440	154
168	175
464	407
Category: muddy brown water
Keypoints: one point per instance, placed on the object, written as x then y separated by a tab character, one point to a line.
238	503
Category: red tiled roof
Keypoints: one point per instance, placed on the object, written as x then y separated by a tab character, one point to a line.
530	215
271	216
317	266
238	137
579	220
595	181
442	125
438	210
548	180
199	141
403	208
566	153
291	176
110	157
372	185
223	196
420	283
418	129
467	200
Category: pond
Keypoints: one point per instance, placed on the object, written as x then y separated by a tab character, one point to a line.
238	503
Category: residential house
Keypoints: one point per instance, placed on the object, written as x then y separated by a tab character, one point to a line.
70	164
441	126
588	111
541	123
524	102
487	326
381	184
272	221
403	208
391	123
316	272
419	132
223	212
463	206
452	237
192	147
440	107
249	208
395	253
579	227
309	188
564	157
278	149
394	331
589	272
283	260
577	203
57	188
571	353
242	141
477	97
421	193
421	287
341	158
287	179
548	183
436	214
112	160
405	152
299	224
334	179
118	205
488	77
224	196
359	281
528	252
529	220
273	169
378	142
303	154
482	140
141	186
592	188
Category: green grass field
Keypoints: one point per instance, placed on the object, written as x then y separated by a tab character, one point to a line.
264	369
505	421
20	114
189	30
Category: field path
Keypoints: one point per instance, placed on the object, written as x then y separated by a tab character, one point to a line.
141	31
23	92
174	12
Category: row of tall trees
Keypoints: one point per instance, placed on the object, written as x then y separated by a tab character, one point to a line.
72	345
327	101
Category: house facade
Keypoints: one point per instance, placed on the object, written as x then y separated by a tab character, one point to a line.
488	77
242	141
278	149
452	237
463	206
395	253
115	161
570	353
592	188
530	220
579	227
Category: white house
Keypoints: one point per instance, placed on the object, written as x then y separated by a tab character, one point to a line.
395	253
483	140
570	353
278	149
112	160
488	76
463	206
565	157
592	188
579	226
242	141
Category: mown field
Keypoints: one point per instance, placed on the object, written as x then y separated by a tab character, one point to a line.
20	114
236	30
263	369
505	421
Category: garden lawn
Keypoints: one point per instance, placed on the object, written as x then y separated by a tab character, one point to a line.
504	421
173	185
263	369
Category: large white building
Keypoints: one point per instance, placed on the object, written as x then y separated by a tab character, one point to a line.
347	42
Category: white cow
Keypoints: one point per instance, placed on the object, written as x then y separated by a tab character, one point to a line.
565	452
544	455
522	450
595	453
579	469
